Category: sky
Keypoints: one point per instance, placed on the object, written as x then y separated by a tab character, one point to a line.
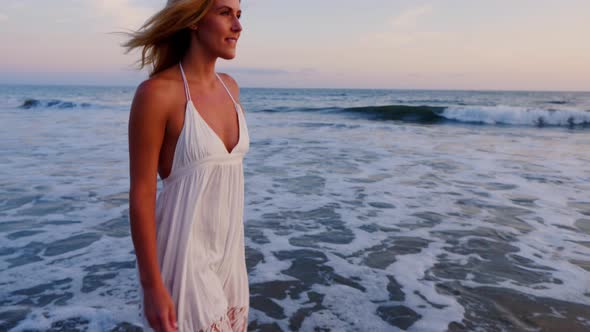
394	44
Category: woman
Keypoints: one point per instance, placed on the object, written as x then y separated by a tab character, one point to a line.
186	125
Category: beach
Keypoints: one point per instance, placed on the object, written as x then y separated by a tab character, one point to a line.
365	210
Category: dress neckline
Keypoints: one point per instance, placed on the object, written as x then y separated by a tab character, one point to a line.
194	109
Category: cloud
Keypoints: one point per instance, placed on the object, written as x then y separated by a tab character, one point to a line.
270	71
3	17
410	17
63	20
124	12
258	71
404	29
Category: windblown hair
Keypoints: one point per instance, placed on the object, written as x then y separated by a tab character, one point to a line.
165	37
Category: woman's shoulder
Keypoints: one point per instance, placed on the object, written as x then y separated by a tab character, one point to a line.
162	87
161	91
231	84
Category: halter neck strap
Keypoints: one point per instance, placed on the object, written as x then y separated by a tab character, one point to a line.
186	90
226	89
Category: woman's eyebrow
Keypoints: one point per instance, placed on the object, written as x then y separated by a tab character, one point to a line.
227	7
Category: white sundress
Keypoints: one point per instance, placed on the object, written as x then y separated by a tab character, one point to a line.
200	231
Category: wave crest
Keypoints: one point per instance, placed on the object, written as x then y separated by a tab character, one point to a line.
53	103
512	115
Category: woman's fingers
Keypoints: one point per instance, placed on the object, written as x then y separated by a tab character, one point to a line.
165	322
153	322
172	318
162	325
161	314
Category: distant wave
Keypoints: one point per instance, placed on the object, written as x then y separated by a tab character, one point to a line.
284	109
513	115
488	115
420	114
53	103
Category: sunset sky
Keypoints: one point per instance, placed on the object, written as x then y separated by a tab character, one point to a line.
443	44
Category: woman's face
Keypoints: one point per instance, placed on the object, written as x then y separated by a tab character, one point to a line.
219	30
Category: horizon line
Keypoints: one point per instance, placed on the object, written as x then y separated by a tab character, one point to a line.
296	88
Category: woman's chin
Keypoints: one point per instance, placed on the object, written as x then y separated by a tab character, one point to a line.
228	55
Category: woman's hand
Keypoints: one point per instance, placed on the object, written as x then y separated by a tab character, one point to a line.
159	309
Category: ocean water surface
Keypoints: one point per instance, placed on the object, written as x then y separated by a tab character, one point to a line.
366	210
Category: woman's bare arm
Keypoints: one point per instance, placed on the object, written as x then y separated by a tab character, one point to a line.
147	125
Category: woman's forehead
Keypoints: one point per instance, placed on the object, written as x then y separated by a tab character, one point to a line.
234	4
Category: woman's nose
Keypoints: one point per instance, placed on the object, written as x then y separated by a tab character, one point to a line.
236	26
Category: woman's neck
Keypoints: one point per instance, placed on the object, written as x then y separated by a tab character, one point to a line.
199	67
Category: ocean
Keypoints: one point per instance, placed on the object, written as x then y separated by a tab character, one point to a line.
365	210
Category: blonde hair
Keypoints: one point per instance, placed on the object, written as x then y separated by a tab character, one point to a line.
165	37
